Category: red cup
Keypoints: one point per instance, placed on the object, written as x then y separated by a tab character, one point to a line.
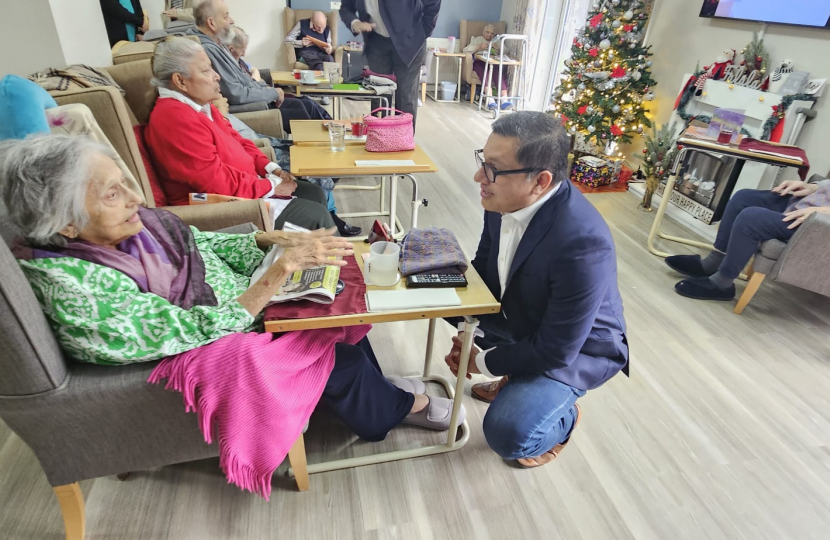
297	75
725	136
358	129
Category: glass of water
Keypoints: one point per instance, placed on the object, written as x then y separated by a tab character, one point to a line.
334	75
337	134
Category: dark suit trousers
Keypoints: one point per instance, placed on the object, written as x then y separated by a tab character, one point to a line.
384	59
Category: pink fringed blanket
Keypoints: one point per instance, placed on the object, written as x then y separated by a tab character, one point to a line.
257	392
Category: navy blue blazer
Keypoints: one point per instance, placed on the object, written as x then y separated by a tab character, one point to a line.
410	22
562	313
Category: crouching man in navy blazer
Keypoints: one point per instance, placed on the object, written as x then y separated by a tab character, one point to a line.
548	255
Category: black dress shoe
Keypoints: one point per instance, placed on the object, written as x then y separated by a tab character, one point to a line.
703	289
344	228
348	230
688	265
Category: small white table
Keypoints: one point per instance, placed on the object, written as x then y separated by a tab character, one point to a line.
459	58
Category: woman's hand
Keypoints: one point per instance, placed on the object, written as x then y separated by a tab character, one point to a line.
315	252
287	187
798	216
170	13
796	188
483	45
290	239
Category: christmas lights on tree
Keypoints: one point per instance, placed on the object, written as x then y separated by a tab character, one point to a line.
607	80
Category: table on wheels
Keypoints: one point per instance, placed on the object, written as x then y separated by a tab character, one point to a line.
687	145
286	78
320	161
476	299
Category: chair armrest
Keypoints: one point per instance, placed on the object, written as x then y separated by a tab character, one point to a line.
805	260
249	107
267	149
338	56
212	217
114	119
265	122
467	70
290	55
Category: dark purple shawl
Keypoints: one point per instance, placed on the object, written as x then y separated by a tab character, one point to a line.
162	259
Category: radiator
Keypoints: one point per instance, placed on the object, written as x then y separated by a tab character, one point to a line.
449	69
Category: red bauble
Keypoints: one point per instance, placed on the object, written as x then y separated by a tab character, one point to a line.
618	73
628	27
593	52
645	150
596	20
582	109
616	131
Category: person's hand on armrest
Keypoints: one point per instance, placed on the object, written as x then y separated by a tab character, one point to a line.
796	188
797	217
328	49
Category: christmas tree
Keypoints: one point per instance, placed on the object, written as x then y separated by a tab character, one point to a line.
607	79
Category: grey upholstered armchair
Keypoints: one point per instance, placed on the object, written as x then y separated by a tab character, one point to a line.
803	261
85	421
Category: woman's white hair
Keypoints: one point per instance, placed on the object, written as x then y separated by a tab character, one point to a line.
172	55
43	184
240	38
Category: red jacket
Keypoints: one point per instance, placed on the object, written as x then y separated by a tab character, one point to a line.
193	154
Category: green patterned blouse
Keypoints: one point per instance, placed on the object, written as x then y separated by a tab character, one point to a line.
100	316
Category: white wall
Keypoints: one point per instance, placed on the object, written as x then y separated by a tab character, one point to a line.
262	20
81	30
153	9
680	38
20	22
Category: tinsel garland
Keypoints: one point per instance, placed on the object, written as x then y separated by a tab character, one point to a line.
769	124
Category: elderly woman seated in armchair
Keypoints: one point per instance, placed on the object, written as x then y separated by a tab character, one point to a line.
196	150
120	283
482	43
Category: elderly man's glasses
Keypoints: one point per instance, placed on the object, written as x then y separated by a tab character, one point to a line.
492	173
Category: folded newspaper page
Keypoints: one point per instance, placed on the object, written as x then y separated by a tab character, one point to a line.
315	284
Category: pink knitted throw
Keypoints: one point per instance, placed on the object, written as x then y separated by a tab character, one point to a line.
257	392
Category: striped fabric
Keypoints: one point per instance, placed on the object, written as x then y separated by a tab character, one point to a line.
254	393
176	4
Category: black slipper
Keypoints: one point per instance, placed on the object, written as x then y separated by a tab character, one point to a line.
703	289
688	265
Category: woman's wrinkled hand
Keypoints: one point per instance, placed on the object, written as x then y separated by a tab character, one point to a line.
796	188
318	251
290	239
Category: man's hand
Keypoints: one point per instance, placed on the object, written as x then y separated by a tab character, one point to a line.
255	74
146	26
798	216
453	359
222	105
328	49
361	26
306	42
796	188
170	13
280	96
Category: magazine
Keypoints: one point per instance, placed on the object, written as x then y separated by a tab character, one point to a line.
315	284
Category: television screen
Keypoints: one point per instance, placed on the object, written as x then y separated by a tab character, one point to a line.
796	12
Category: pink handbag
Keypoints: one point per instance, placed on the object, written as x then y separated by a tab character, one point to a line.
391	133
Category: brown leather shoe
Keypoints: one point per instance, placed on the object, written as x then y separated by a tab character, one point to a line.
487	391
550	455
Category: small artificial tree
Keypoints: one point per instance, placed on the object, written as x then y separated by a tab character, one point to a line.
658	157
608	77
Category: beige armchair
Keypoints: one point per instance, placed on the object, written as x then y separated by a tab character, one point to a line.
469	30
116	115
129	51
291	17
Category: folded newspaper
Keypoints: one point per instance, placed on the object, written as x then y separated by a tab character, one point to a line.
315	284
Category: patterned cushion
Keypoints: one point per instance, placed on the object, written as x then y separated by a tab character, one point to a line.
155	184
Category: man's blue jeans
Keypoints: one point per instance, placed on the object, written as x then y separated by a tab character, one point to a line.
530	415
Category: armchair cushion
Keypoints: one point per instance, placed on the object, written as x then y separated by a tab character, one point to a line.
805	259
159	196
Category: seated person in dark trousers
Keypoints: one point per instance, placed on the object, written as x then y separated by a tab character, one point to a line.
214	28
395	34
751	218
548	256
308	52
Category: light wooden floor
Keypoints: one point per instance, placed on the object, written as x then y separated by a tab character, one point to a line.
721	432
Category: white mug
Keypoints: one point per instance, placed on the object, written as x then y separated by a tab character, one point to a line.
307	76
382	264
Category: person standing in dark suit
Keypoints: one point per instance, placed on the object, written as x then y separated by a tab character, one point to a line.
547	254
124	20
395	34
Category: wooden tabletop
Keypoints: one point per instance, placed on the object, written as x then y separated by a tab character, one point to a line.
321	161
733	150
312	89
476	299
286	78
314	133
451	54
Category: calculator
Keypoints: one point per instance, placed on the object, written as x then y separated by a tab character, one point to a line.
423	281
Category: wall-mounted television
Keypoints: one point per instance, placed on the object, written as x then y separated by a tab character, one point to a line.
815	13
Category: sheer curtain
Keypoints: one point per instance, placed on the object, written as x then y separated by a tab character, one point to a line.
574	19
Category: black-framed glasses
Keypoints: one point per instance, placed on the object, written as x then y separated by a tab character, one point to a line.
492	173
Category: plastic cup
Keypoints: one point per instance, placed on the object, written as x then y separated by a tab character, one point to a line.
337	135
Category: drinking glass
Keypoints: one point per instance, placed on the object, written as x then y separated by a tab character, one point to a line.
337	135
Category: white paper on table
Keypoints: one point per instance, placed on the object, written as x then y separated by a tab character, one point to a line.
384	163
411	299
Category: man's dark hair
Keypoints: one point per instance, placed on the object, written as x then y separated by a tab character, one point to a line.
543	142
